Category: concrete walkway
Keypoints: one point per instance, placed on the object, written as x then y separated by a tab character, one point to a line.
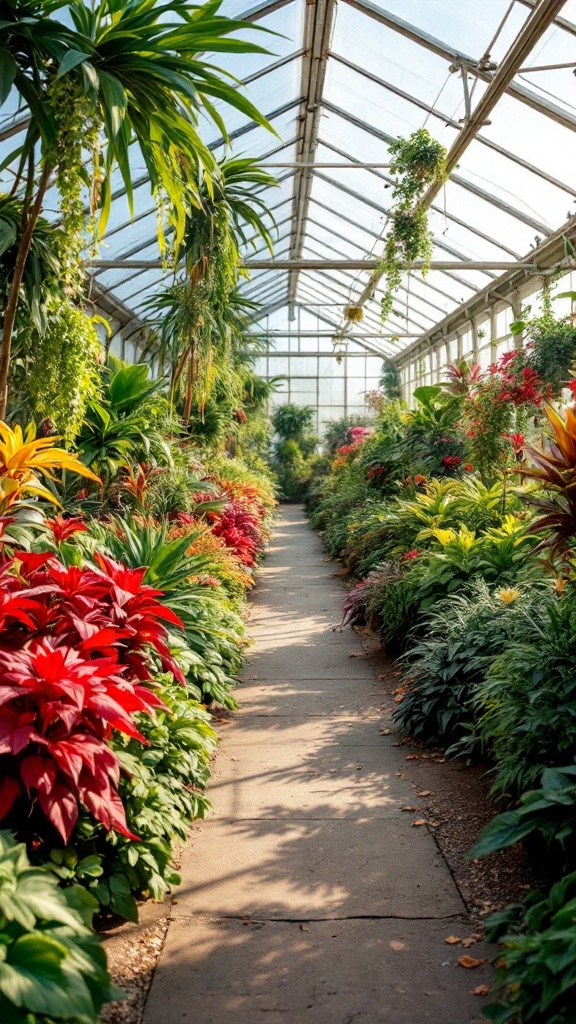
309	898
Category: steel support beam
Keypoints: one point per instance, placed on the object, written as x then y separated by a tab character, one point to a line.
449	216
568	26
555	251
329	264
330	334
476	190
536	24
440	48
319	18
448	120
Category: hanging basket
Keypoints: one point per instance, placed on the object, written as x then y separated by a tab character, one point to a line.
354	313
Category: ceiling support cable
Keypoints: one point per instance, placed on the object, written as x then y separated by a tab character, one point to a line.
536	24
555	252
519	92
447	120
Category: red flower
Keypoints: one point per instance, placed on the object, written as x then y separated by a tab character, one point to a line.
451	460
571	385
418	479
469	467
408	555
517	441
64	528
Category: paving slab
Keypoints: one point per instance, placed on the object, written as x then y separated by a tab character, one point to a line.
331	867
310	896
344	972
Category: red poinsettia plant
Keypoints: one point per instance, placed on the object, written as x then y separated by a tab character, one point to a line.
77	649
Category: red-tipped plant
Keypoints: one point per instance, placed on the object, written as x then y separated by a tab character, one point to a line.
555	470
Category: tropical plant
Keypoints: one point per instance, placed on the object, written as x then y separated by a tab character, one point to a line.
549	344
52	966
79	645
555	471
444	668
196	319
162	789
418	162
130	74
60	367
535	973
118	430
25	458
547	815
525	704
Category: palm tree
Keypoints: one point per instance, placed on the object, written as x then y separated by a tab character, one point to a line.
135	70
201	318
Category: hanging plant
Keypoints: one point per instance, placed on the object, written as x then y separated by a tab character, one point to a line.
77	133
62	367
354	313
417	163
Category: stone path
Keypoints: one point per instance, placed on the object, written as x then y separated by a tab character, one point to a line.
308	897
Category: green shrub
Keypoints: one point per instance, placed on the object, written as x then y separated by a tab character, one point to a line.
545	819
526	704
52	966
536	968
445	667
163	791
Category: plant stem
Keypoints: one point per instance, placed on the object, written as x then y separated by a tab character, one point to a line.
14	294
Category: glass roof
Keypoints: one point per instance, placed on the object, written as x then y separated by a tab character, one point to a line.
339	83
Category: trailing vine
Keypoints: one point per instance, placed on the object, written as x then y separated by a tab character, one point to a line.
63	368
417	163
77	131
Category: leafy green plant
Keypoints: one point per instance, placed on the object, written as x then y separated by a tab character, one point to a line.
62	367
535	969
52	966
525	704
545	819
444	668
119	430
293	425
130	75
418	162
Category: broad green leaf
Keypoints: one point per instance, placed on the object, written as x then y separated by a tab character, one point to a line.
8	69
71	60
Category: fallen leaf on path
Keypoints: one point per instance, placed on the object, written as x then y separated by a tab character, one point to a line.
304	928
419	821
452	940
386	732
356	654
397	946
469	962
400	775
412	757
425	792
412	809
469	942
434	824
481	990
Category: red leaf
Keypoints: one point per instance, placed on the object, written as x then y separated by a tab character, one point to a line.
59	805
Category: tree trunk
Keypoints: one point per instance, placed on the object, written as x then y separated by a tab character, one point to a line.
14	294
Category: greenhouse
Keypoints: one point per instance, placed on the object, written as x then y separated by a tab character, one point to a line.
287	512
